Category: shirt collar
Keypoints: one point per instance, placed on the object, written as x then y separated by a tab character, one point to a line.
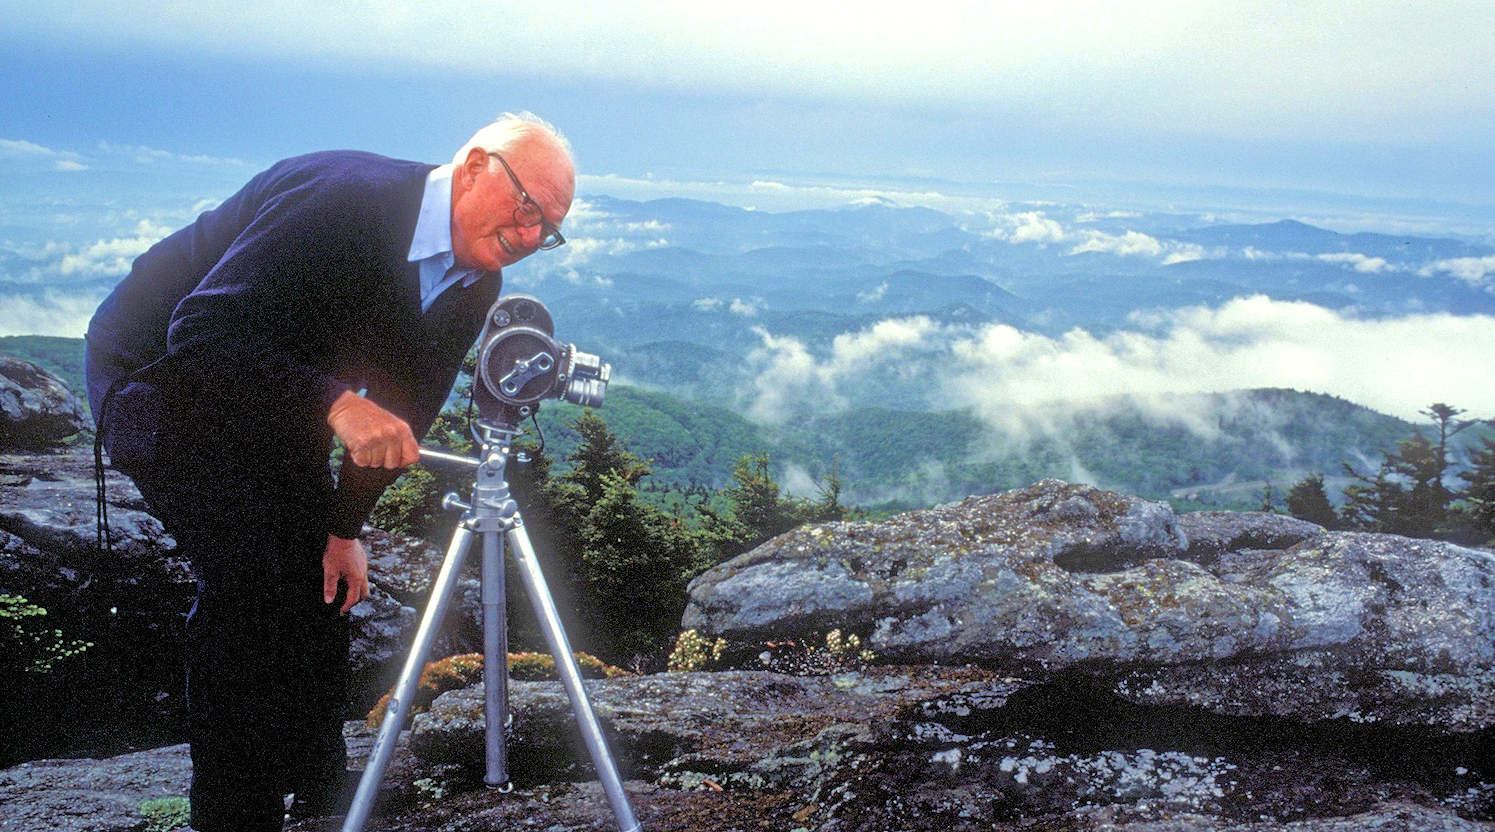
433	228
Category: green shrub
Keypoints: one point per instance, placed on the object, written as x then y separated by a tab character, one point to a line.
27	646
163	814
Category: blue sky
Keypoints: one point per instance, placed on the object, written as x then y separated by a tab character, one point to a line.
1387	99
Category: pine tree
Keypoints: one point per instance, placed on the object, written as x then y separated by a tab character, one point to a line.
637	561
1268	499
1423	507
1307	500
1407	496
1369	502
1479	497
827	507
756	502
598	455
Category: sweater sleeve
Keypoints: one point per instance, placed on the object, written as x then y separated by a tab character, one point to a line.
248	332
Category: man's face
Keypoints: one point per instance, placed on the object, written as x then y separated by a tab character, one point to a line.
485	231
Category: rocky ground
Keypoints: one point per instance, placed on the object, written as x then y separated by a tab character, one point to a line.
1053	658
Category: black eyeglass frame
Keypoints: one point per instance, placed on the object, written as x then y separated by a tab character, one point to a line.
550	236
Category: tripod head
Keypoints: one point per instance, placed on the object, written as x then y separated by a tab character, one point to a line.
520	364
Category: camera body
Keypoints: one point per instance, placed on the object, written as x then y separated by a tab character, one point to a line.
520	364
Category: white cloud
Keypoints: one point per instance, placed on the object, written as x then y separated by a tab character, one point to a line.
151	155
579	250
745	308
1020	227
13	148
1130	243
1360	262
1007	375
777	196
1184	252
875	294
1248	342
104	258
54	312
798	481
1092	216
1476	271
790	378
29	154
1029	227
707	304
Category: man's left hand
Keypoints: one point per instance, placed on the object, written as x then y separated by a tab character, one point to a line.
345	561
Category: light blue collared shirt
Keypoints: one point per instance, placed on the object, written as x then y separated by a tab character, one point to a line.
431	246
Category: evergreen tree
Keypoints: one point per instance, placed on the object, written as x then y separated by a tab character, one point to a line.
627	562
756	502
1268	499
636	563
1369	502
1422	509
827	507
1307	500
1407	496
1479	497
1443	416
598	455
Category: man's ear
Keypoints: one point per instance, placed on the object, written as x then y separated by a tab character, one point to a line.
474	164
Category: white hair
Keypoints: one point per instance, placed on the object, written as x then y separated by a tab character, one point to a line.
508	130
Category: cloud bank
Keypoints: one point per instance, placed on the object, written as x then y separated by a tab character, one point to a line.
1396	366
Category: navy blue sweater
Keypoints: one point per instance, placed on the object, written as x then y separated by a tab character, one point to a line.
269	306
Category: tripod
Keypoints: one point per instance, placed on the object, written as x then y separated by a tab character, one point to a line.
493	515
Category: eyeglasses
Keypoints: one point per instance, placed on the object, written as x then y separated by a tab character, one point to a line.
527	212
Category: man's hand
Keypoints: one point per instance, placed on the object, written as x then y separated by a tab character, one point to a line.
375	437
345	561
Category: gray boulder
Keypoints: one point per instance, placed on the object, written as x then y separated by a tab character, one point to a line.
36	407
91	795
1061	577
936	748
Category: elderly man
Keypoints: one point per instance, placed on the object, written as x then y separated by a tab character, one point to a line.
219	371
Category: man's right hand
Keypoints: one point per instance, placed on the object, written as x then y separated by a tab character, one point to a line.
375	438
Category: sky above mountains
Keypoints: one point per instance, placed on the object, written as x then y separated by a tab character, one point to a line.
1377	98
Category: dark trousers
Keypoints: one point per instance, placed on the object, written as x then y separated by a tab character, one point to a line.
267	660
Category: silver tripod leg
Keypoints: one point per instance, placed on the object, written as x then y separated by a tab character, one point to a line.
399	704
565	665
495	664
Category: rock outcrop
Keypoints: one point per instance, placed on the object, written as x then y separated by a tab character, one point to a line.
1242	614
36	407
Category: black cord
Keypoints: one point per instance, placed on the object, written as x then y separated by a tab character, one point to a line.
101	502
536	422
104	538
469	406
